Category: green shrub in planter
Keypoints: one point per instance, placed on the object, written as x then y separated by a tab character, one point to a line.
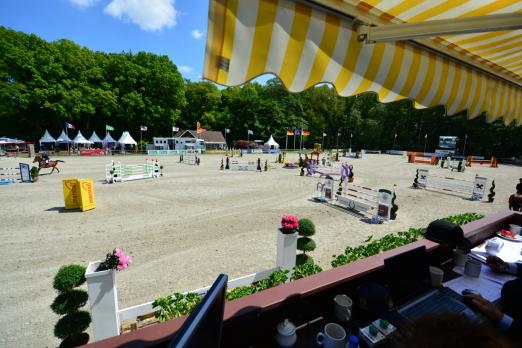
70	301
69	277
305	243
305	270
35	171
71	326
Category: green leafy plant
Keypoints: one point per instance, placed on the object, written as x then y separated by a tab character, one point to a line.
304	242
35	171
239	292
491	195
175	305
71	326
463	219
305	270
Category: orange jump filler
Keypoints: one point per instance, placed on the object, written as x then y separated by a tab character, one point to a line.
78	194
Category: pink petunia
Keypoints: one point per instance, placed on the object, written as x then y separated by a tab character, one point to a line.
290	222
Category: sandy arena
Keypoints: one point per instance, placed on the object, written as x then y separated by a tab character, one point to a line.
188	226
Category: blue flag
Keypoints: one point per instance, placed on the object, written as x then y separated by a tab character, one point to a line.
297	132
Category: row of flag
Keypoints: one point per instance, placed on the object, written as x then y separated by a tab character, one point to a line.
302	132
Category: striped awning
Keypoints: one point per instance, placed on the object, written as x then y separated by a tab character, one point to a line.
304	44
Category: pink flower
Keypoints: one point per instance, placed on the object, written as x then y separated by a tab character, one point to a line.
290	222
124	260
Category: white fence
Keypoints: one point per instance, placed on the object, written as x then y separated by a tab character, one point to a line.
190	158
474	189
103	293
243	165
117	172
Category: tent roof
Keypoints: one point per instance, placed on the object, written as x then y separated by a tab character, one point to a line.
80	139
47	138
127	139
305	44
63	138
271	142
108	138
95	138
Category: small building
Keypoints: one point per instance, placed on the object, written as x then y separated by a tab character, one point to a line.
190	140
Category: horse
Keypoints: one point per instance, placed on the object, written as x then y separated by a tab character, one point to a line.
515	202
49	164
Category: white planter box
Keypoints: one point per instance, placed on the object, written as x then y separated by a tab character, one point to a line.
103	300
286	250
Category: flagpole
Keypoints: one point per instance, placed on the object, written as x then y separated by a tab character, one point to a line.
322	143
301	140
294	139
226	143
286	141
141	137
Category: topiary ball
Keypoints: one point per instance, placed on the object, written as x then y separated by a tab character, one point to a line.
72	325
305	244
306	227
69	277
301	259
69	301
75	341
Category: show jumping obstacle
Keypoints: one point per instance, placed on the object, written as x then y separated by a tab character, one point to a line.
365	200
492	162
253	166
412	158
474	189
14	175
117	172
189	158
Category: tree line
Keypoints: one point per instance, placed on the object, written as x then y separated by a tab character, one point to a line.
45	84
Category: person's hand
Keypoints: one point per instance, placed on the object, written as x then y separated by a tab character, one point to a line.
497	264
486	307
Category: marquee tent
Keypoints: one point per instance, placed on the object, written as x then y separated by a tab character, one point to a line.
63	138
80	139
47	138
271	144
95	138
108	139
126	139
464	55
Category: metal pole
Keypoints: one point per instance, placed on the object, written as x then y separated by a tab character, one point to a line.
394	138
425	141
226	143
294	139
465	141
337	143
141	137
322	143
286	141
351	136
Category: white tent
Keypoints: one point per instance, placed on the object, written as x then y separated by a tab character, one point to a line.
271	144
47	138
126	139
108	139
95	138
63	138
80	139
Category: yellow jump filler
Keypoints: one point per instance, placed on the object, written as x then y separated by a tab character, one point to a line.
79	194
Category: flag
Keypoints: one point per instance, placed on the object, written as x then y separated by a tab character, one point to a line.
227	130
297	132
199	130
175	129
143	128
324	134
306	132
289	132
69	126
250	132
109	128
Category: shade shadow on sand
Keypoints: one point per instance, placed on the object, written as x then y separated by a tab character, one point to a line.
63	210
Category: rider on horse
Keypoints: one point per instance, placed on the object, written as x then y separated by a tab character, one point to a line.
45	157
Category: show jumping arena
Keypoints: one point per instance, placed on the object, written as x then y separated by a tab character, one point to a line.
191	224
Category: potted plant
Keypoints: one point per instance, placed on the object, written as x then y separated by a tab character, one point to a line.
103	299
73	322
35	171
287	242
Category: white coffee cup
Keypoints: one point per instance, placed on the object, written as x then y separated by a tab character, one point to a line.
459	257
493	246
334	336
515	229
472	268
436	275
343	307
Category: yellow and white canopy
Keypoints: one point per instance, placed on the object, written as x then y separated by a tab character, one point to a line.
308	42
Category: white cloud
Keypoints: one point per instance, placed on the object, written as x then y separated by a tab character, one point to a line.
196	34
83	3
149	15
185	69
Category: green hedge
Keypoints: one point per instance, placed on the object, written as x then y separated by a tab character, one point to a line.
69	277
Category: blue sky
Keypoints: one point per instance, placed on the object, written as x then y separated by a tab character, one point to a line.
174	28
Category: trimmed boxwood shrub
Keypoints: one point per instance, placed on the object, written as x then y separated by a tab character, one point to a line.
69	277
70	301
304	242
72	324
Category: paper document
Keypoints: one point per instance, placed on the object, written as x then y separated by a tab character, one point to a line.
510	252
488	289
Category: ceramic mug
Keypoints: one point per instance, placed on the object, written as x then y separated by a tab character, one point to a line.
460	257
436	275
493	246
343	307
334	336
472	268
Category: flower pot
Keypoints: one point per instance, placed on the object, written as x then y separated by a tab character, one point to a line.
286	250
103	300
